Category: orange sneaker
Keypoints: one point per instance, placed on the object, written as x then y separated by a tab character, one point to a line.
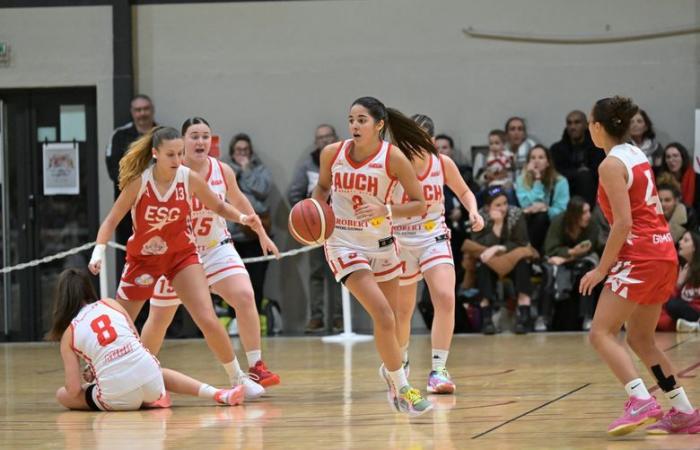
262	376
163	402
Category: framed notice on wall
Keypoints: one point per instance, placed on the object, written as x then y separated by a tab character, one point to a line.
61	169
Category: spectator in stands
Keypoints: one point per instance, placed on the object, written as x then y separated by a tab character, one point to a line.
142	119
321	278
499	166
677	169
577	158
517	140
571	249
682	312
674	210
542	194
502	249
254	180
643	136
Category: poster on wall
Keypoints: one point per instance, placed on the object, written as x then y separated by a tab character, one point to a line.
61	169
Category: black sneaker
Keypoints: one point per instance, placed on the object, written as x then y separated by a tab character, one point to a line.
314	326
487	325
522	326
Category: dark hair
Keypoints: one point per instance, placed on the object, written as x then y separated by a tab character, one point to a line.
325	125
572	215
669	187
694	273
493	193
615	114
550	175
138	157
425	123
73	291
239	137
447	138
511	119
500	133
649	133
196	120
411	139
141	97
684	156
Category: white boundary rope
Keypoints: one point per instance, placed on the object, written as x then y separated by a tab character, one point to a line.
89	245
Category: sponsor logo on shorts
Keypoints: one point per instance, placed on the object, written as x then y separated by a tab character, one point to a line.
144	280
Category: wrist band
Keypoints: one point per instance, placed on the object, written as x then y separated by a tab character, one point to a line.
98	253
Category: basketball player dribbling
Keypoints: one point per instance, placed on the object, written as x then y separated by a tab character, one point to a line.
425	251
159	196
359	175
126	376
641	267
226	274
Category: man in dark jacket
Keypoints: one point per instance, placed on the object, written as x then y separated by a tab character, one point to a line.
303	183
142	120
577	158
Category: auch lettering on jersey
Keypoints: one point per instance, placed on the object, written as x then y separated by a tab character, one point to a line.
431	192
198	208
356	183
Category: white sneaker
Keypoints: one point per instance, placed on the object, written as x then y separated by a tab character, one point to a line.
587	322
540	324
233	327
686	326
251	389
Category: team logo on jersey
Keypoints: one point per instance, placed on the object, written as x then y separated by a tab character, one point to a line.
144	280
217	182
375	166
158	217
429	225
376	222
212	243
155	246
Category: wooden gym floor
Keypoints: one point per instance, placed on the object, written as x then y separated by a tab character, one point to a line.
514	392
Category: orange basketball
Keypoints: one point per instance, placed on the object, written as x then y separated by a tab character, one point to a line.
311	222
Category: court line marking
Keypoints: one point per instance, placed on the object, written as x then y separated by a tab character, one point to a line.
532	410
678	344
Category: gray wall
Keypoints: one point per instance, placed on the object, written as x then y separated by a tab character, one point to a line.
63	47
275	70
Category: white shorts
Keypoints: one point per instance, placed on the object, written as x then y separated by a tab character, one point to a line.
385	265
219	263
128	401
419	259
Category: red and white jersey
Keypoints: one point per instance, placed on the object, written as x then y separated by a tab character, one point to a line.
353	185
649	238
162	223
421	230
210	228
104	338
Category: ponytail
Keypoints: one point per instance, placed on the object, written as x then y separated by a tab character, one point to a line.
406	134
72	291
138	157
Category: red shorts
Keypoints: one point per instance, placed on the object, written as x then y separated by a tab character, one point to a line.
643	282
141	272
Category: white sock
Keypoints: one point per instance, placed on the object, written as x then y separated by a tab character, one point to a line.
398	377
206	391
404	353
679	400
439	358
253	356
638	389
233	370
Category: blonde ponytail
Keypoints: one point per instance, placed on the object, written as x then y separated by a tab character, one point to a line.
138	157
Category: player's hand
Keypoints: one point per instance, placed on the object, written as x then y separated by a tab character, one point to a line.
252	221
98	254
268	246
590	281
369	212
476	221
88	374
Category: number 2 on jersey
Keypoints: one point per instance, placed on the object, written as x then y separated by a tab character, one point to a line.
649	197
102	327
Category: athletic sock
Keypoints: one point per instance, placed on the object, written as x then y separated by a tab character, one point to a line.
253	357
233	370
636	388
679	400
398	378
206	391
439	358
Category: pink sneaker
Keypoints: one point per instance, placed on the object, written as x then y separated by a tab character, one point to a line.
676	422
163	402
637	413
234	396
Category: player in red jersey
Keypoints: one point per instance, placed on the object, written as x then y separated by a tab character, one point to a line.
159	197
124	375
226	274
641	265
359	175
